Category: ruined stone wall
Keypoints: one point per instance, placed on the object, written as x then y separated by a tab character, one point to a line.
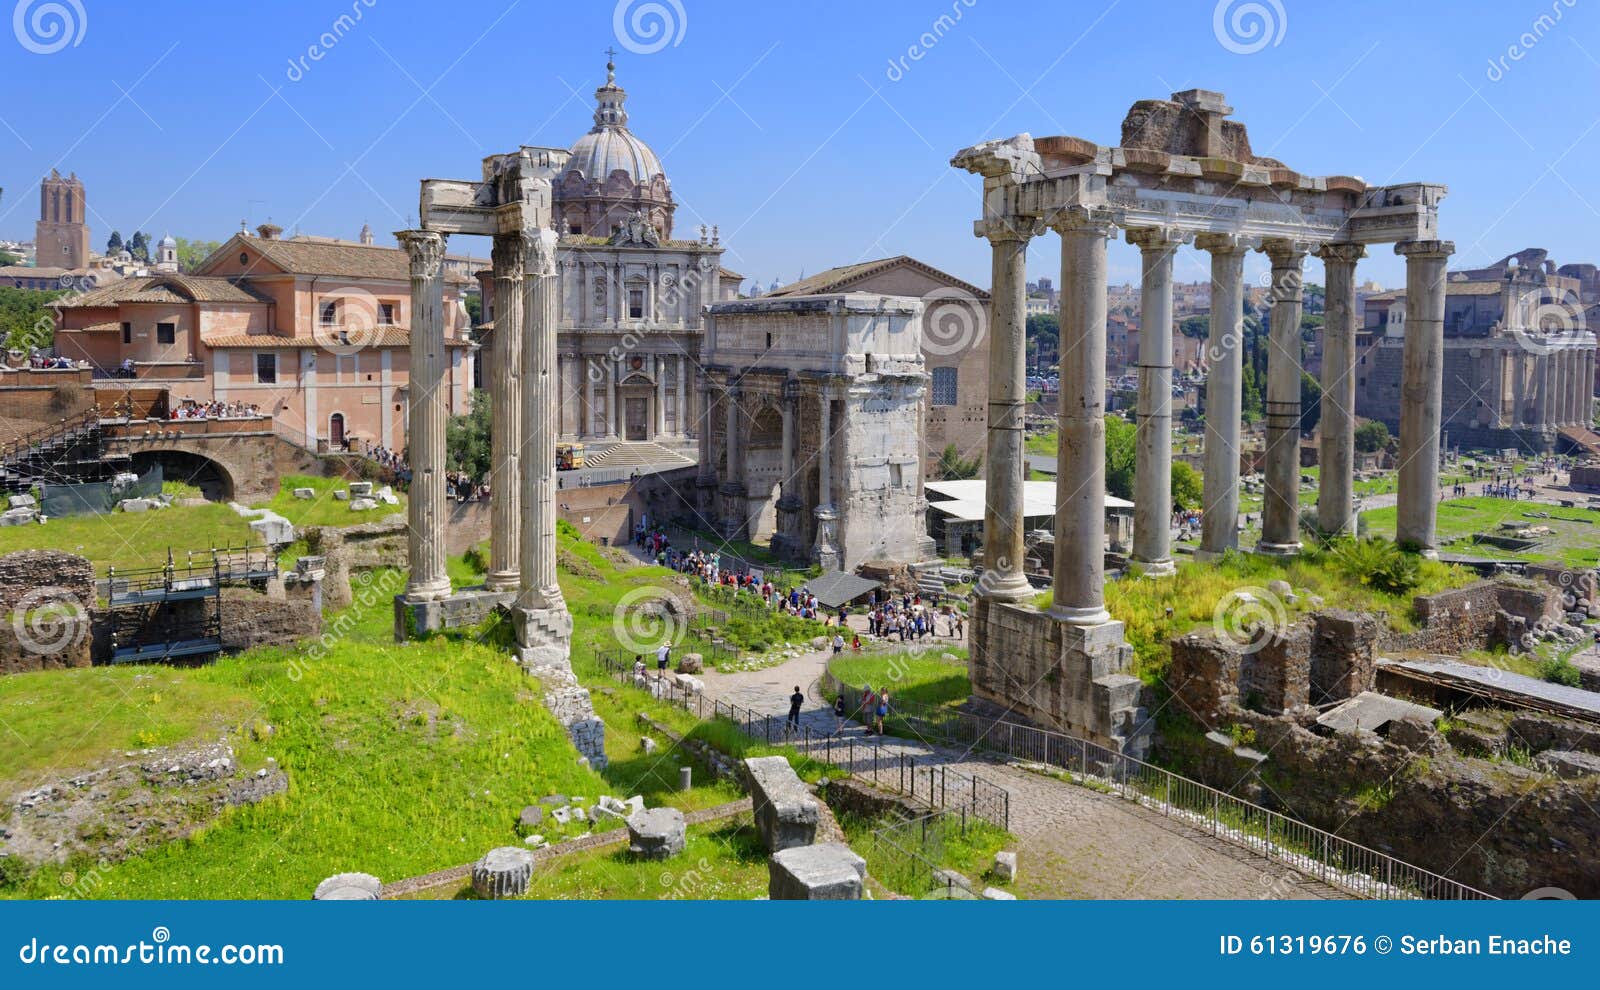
251	619
64	643
30	577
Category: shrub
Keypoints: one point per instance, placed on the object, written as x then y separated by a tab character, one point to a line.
1378	563
1560	670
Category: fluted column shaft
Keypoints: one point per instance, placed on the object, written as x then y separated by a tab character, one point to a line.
1219	526
735	441
681	424
1280	518
788	446
1005	457
661	396
541	306
425	416
505	397
1078	577
1152	474
1337	458
1421	393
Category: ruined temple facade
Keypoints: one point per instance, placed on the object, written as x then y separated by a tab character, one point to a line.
1519	355
814	427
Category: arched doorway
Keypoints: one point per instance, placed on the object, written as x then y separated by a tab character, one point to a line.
336	431
763	473
213	480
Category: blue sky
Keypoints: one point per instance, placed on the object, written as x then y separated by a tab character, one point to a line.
805	130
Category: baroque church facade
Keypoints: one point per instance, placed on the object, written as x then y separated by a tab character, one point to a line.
632	295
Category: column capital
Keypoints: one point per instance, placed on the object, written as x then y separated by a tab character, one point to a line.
1286	253
425	249
1425	249
1093	220
538	250
997	230
506	256
1160	240
1345	254
1225	243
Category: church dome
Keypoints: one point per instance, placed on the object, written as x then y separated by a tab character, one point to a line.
610	146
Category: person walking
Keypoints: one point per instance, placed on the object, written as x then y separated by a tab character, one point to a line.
883	708
795	701
838	713
838	644
663	653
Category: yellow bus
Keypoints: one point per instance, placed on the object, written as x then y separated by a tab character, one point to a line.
569	456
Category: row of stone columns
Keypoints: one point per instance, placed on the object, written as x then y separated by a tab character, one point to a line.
1080	472
1569	395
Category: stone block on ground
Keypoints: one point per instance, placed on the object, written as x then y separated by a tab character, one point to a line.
691	663
1005	865
531	816
305	493
648	745
363	504
23	501
349	887
996	894
387	496
341	495
656	833
18	517
785	811
502	872
360	489
829	871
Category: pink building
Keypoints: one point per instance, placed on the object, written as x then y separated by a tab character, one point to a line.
311	332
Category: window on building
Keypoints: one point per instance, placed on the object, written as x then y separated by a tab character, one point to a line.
574	228
166	333
127	333
330	314
267	369
944	386
386	314
635	304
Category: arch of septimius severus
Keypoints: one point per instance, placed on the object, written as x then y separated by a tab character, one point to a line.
1182	173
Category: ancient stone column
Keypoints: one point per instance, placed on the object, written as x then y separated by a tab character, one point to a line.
505	396
1078	577
1152	475
1336	486
789	427
614	428
681	424
735	441
1586	389
1219	529
425	416
660	366
1280	519
541	300
1421	393
1005	462
1545	368
827	552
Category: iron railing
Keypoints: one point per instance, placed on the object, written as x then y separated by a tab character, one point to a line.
1336	861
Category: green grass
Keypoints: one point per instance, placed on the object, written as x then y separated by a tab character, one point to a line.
947	844
132	540
918	677
324	509
1575	540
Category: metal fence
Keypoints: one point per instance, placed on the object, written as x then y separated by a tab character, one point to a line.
905	856
928	782
1339	862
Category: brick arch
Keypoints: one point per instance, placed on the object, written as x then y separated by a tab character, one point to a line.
230	468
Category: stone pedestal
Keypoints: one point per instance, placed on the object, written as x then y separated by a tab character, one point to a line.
829	871
544	636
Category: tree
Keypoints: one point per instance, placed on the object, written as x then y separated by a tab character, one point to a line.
191	253
114	243
1186	490
467	438
1251	407
474	305
1310	403
1198	327
954	467
1044	338
139	246
7	259
1372	436
1122	444
27	320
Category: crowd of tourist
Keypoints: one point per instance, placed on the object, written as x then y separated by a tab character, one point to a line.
216	409
395	462
910	617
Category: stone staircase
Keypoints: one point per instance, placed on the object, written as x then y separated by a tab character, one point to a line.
634	453
64	453
1585	440
930	579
